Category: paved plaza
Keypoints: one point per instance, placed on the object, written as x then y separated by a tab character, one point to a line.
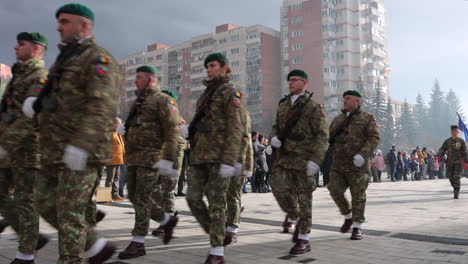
407	222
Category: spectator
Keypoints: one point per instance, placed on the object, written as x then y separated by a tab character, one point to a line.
430	164
392	162
113	168
422	165
414	166
379	164
436	167
406	166
400	167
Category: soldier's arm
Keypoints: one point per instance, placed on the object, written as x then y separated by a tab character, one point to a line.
442	150
169	118
372	135
275	130
249	156
319	127
234	127
101	91
464	152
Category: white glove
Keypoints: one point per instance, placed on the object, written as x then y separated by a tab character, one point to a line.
75	158
121	129
312	168
28	107
184	131
3	153
166	168
269	150
247	173
226	171
238	166
358	160
275	142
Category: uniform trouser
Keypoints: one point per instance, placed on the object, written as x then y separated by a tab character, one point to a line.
453	173
205	180
141	182
164	195
112	179
234	193
62	199
357	182
19	211
91	208
293	189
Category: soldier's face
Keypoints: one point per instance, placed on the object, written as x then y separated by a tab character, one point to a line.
454	133
296	84
24	50
350	102
143	80
69	27
214	69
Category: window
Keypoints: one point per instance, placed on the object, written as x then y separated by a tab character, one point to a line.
297	6
297	46
236	77
221	41
325	69
187	73
188	50
235	38
188	85
235	64
235	51
296	20
150	59
188	61
297	60
297	33
158	57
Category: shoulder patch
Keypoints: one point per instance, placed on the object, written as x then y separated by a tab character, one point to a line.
238	94
40	82
102	70
103	60
236	101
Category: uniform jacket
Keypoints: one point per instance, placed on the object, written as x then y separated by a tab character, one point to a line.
455	149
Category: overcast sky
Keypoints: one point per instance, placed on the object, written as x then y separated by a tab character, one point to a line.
427	38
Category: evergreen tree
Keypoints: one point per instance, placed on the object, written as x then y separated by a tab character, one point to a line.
387	128
405	127
420	116
454	107
437	112
377	105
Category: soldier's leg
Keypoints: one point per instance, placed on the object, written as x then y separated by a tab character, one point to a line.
305	185
168	185
196	182
74	191
337	187
358	186
7	207
450	174
234	201
145	207
28	218
91	208
456	179
215	190
283	187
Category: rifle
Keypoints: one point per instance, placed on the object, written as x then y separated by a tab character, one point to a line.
327	162
293	119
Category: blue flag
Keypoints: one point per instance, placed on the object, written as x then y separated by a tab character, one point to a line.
463	131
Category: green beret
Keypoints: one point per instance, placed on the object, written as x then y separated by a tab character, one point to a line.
171	93
147	69
75	9
34	37
454	127
352	92
215	57
299	73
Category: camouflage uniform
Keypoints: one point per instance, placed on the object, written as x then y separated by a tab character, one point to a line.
456	151
152	139
217	141
21	141
234	191
361	137
81	114
164	191
307	141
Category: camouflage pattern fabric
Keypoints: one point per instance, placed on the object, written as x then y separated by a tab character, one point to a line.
219	134
156	134
293	191
205	180
307	141
82	115
91	208
362	137
141	183
62	197
455	148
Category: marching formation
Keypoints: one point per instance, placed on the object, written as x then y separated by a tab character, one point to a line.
57	129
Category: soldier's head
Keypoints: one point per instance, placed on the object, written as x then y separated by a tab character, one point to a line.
297	81
216	64
454	131
351	100
146	76
75	21
30	45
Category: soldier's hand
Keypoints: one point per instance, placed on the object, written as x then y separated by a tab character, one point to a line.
3	153
275	142
28	107
226	171
238	168
247	174
121	129
358	160
75	158
312	168
166	168
184	131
